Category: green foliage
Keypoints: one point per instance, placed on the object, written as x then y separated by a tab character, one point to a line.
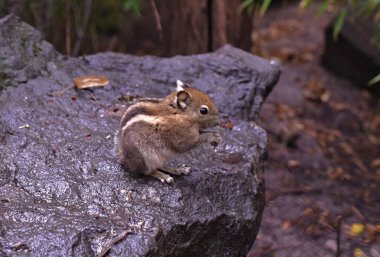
352	9
264	6
339	22
323	7
247	5
133	6
250	5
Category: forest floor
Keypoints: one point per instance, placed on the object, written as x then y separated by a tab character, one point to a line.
323	173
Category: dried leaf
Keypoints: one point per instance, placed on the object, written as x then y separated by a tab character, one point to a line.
372	230
346	148
315	91
307	212
286	225
359	252
293	164
326	96
337	173
284	111
90	81
357	229
306	57
375	163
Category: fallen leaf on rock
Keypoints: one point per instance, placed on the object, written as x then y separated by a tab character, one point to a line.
357	229
90	81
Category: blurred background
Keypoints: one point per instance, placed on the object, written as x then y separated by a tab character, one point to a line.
322	119
78	27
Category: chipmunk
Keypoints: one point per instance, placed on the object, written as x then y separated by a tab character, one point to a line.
152	131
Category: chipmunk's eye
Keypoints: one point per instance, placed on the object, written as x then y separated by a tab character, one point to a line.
203	110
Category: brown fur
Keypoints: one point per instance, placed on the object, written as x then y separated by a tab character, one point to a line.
159	129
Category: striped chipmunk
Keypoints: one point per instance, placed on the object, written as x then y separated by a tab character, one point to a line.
152	131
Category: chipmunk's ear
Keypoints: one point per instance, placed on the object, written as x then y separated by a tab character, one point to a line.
183	99
180	85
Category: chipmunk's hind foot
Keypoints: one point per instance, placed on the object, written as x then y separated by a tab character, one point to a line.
164	178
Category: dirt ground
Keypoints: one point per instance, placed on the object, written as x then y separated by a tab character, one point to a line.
323	173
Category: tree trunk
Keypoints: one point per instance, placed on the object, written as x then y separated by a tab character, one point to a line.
230	26
200	26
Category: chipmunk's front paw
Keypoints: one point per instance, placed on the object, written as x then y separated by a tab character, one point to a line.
179	170
214	139
183	169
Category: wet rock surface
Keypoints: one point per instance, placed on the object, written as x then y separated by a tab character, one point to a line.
62	192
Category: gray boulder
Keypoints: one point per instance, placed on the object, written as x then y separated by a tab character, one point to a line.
62	191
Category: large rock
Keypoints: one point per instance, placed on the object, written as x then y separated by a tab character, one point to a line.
62	192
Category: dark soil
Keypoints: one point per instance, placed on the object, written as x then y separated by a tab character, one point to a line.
324	147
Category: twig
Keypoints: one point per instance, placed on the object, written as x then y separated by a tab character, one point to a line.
60	92
358	213
113	242
93	97
338	232
158	20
